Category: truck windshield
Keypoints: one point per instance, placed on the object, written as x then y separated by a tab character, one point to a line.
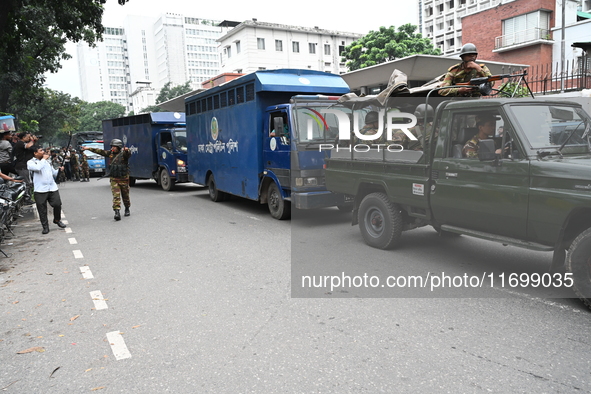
180	140
91	155
314	126
551	126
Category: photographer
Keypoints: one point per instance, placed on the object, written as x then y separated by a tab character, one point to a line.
23	152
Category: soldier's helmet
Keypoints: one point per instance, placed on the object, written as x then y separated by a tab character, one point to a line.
371	117
468	49
420	112
116	142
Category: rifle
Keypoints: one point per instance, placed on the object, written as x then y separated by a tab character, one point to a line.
484	84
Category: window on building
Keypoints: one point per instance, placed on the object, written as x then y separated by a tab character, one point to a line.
327	49
441	8
429	11
237	47
341	49
260	43
524	28
279	45
312	47
451	4
229	51
295	46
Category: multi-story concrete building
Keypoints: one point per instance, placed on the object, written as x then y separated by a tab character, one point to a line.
170	48
254	45
504	29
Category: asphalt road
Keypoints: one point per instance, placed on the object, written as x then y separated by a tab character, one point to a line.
190	296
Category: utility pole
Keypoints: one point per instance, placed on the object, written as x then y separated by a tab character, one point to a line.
562	46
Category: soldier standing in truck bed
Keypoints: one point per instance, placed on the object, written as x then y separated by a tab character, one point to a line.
464	72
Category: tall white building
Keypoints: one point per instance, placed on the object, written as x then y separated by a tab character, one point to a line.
441	21
254	45
170	48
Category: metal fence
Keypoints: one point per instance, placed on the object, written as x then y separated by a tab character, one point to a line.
547	79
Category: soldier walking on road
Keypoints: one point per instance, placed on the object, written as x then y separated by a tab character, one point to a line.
119	173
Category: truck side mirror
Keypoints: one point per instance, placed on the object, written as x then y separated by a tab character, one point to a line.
486	150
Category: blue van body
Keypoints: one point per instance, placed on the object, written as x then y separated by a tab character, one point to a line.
234	149
158	145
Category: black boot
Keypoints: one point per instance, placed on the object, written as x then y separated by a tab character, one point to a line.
45	229
117	215
127	213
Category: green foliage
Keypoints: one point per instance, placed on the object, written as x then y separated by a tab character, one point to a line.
508	88
151	108
92	114
385	45
168	93
32	38
51	112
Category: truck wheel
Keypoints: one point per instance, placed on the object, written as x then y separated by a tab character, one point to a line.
166	182
380	221
279	208
131	181
578	263
214	193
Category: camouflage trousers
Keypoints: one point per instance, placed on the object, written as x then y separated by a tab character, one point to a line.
84	171
120	190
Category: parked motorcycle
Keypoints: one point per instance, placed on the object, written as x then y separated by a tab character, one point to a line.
12	196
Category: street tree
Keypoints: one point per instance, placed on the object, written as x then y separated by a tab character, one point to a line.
385	45
167	92
33	34
93	114
52	112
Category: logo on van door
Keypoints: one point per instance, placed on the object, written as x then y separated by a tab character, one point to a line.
214	128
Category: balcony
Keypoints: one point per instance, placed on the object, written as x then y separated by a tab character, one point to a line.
522	38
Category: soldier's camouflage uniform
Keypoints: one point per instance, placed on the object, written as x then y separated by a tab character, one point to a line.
74	165
473	146
399	137
84	170
119	183
457	74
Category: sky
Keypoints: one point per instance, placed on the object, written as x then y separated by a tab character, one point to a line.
352	17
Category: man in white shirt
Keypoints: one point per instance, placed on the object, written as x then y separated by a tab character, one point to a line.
45	188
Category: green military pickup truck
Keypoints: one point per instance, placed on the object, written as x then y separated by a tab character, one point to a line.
527	183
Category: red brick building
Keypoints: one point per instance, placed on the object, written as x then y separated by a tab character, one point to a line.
514	32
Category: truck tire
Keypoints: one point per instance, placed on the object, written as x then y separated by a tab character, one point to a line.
578	263
380	221
131	181
279	208
214	193
166	182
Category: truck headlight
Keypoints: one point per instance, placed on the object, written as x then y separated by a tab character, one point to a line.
180	163
312	181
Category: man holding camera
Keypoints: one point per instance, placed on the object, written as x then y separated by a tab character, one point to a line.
23	152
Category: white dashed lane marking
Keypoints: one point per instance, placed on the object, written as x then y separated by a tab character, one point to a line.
78	254
99	301
118	345
68	230
86	274
72	241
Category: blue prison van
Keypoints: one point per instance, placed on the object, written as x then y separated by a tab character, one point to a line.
247	138
158	145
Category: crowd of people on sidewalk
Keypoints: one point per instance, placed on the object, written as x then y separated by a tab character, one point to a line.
41	169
